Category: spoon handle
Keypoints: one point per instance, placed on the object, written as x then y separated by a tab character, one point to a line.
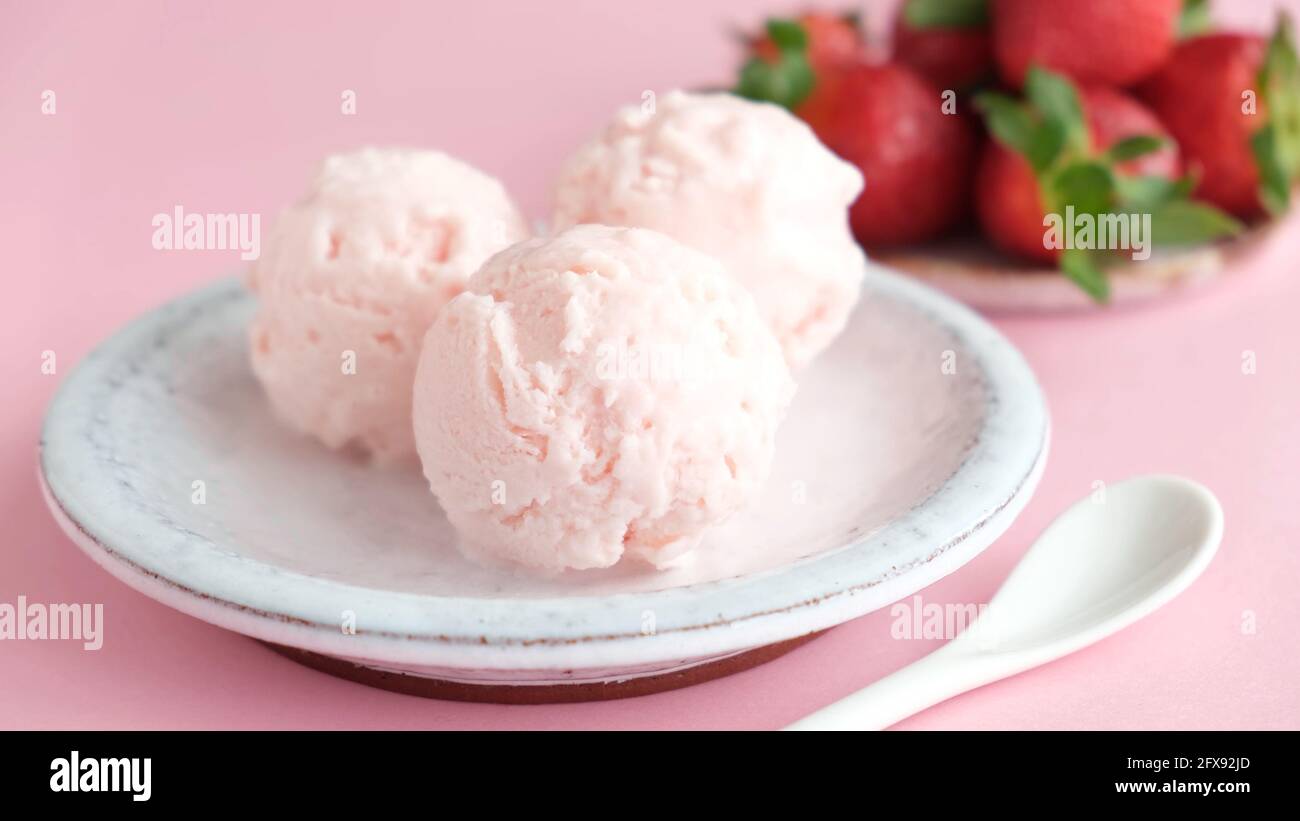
934	678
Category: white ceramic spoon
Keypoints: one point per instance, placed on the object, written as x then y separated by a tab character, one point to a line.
1105	563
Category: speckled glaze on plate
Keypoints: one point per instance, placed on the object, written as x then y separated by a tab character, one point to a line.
912	444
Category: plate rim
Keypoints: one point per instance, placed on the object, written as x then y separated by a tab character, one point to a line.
721	616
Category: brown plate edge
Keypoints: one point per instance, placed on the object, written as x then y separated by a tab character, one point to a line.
446	690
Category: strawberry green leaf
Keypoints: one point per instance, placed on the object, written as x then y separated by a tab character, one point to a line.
1281	60
1087	186
1147	193
1082	268
788	35
789	79
1274	181
1012	125
1277	145
1130	148
787	82
1008	120
1057	100
1195	18
946	14
1187	222
1046	145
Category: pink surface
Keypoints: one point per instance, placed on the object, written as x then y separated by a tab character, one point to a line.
227	107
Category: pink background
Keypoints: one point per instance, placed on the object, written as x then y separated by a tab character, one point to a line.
226	107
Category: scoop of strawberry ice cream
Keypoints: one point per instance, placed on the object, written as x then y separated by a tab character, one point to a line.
350	278
745	182
601	393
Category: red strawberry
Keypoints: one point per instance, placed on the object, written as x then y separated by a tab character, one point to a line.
1105	42
886	120
1009	201
1114	116
832	39
1205	93
1009	204
1077	177
799	63
916	159
946	43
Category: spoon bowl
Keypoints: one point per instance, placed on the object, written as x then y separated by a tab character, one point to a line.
1105	563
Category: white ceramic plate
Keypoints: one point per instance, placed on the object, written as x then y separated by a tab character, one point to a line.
891	473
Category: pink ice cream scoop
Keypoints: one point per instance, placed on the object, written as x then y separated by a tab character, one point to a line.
600	393
350	278
745	182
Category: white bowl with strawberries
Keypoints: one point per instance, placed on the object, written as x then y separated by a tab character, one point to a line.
1049	154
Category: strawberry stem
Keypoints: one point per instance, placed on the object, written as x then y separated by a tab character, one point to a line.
786	81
